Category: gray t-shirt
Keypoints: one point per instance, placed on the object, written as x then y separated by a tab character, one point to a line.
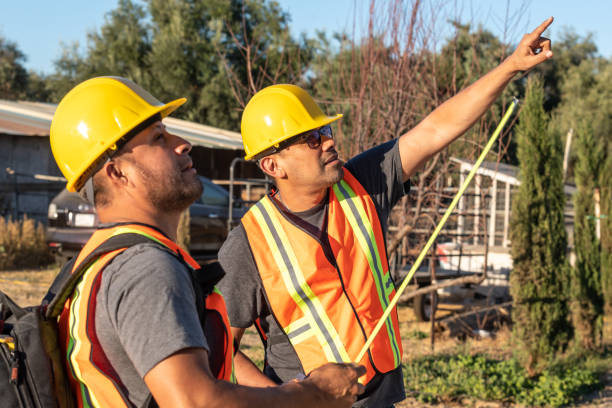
379	170
145	312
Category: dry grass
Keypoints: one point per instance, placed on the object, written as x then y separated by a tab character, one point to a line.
27	287
22	244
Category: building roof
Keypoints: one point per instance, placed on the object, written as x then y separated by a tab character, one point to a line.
34	119
503	172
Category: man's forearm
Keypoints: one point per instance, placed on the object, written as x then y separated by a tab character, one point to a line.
455	116
247	373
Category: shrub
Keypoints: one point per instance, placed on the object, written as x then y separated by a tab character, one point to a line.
22	244
446	378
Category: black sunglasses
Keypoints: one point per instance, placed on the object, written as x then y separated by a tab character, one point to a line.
313	137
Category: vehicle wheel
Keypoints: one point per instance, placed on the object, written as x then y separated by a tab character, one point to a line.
422	306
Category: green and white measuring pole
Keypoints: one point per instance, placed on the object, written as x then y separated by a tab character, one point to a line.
433	237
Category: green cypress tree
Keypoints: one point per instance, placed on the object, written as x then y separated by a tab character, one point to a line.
586	292
606	231
539	240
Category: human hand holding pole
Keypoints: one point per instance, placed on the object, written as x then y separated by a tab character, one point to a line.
337	383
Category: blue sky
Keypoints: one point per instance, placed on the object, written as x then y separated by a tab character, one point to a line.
40	26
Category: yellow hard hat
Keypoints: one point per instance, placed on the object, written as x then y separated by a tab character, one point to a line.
277	113
93	116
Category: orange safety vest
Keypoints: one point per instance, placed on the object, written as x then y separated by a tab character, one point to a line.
328	296
93	380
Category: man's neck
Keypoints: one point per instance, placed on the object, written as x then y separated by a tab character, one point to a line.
167	223
297	199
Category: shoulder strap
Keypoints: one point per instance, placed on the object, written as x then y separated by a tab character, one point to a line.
9	307
65	282
61	289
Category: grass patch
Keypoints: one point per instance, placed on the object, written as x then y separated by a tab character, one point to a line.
416	335
27	287
446	378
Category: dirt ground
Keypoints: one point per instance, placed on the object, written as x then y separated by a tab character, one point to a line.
27	287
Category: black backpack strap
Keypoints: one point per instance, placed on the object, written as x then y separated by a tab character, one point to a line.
8	307
207	277
203	279
63	285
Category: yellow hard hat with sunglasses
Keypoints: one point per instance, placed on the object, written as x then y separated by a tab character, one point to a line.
279	113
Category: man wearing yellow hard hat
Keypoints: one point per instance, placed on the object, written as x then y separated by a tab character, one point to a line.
145	326
308	264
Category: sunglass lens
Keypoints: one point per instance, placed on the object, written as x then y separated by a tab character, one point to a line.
313	140
326	131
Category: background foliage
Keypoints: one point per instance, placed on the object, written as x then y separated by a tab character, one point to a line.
538	282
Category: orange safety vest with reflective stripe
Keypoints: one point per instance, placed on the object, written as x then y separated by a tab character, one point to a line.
328	295
93	380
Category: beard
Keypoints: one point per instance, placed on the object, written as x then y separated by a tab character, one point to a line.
334	175
171	192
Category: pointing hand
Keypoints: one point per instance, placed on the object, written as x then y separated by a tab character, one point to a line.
533	48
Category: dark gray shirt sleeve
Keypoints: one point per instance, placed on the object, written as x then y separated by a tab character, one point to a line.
241	287
379	170
149	301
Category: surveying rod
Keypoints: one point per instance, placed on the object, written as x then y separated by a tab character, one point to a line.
433	237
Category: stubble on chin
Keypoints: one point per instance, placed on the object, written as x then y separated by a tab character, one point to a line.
171	192
338	174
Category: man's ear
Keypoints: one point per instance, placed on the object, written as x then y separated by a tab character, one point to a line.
272	167
113	172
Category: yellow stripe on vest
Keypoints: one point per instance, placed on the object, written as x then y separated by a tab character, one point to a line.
363	230
299	330
76	352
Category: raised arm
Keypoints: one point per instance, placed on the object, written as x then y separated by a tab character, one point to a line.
455	116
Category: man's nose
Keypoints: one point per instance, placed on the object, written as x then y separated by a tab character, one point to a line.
327	143
181	145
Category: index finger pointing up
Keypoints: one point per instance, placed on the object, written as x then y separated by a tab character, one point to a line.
540	29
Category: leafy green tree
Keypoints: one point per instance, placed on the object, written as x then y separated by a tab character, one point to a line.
121	47
537	282
570	51
191	48
13	75
586	284
587	98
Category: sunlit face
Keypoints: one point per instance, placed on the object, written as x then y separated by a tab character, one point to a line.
309	165
163	170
